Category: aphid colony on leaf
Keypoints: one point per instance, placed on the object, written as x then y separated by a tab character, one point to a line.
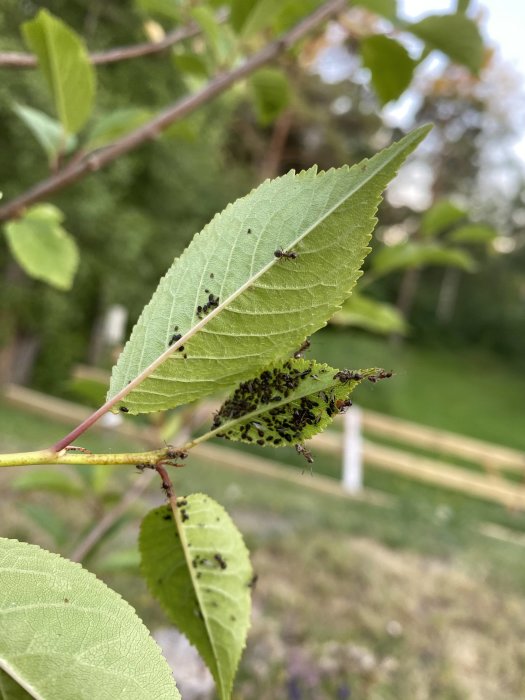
276	426
299	412
212	303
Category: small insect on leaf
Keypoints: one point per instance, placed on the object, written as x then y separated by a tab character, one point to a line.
286	254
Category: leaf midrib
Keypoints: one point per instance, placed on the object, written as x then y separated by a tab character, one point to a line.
193	576
10	671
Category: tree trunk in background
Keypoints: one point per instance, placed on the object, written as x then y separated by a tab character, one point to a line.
448	294
405	298
8	327
274	154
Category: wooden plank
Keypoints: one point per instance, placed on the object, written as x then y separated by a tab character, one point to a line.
94	374
504	534
42	404
241	461
483	453
492	488
72	413
445	475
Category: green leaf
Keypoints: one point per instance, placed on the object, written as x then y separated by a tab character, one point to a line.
289	13
240	11
10	690
220	38
410	255
42	247
47	131
271	93
64	61
53	481
252	17
390	65
371	315
112	126
384	8
288	403
455	35
472	234
440	217
65	634
262	306
462	6
192	64
199	569
170	9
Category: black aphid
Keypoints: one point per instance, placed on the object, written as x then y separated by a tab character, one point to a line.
220	561
346	375
174	338
123	409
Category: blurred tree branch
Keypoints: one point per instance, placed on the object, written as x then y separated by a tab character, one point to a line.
16	59
91	162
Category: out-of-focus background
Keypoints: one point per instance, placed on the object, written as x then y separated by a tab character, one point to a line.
409	582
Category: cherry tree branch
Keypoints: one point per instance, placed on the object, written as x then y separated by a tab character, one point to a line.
77	169
16	59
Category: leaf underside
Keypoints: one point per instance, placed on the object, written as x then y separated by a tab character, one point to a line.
288	403
200	572
261	306
65	634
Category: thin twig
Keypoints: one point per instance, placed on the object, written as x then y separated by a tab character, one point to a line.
106	523
16	59
83	548
96	160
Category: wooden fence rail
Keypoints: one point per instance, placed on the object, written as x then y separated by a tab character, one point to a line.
354	451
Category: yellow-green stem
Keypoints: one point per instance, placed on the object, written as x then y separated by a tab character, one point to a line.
23	459
69	456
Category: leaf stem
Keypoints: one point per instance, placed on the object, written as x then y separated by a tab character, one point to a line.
49	456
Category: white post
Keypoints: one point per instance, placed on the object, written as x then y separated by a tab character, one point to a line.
352	451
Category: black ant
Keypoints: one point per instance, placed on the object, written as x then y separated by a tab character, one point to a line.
301	450
299	353
342	406
287	254
382	374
